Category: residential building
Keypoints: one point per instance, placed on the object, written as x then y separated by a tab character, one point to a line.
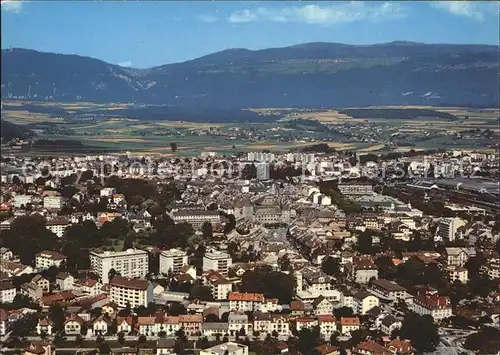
7	292
245	301
135	292
65	281
44	326
448	229
492	269
439	307
263	171
217	261
196	217
172	261
47	258
322	306
42	282
365	270
239	324
57	226
327	326
349	324
390	324
21	201
363	302
129	263
459	256
388	290
457	273
53	202
73	325
31	290
352	188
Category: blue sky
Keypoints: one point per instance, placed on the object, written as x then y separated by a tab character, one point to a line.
144	34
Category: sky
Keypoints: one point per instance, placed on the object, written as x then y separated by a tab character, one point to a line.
144	34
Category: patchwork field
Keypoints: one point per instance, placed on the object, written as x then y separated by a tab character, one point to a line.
123	134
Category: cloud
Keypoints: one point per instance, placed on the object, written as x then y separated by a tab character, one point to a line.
321	14
207	18
125	64
11	5
473	10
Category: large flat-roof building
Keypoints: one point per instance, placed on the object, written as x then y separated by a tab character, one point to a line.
128	263
217	261
172	260
135	292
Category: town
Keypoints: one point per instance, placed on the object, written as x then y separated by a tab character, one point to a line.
318	252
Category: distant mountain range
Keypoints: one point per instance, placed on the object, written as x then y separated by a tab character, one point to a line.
306	75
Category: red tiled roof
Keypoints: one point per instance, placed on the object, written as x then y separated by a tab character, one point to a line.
51	255
349	321
326	319
249	297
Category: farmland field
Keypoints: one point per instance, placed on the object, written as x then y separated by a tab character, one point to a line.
122	133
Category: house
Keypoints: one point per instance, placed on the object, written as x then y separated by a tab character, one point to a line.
124	324
88	286
262	322
363	302
146	325
170	325
47	258
239	324
326	349
388	290
457	273
38	348
210	329
349	324
100	326
6	254
57	226
110	309
459	256
73	325
370	347
3	322
44	326
41	282
327	326
322	306
389	324
305	322
228	348
165	346
31	290
64	281
297	308
280	324
400	347
191	324
7	292
245	301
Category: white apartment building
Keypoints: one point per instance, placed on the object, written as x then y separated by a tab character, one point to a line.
7	292
128	263
172	260
259	156
228	348
136	292
57	226
22	200
448	228
355	189
53	202
457	273
217	261
48	258
263	171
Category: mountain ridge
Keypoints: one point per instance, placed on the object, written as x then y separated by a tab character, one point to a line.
308	75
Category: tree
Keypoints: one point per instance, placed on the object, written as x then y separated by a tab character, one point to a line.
59	339
121	338
176	309
173	147
207	231
330	266
308	339
104	348
483	342
78	341
56	314
202	293
365	242
273	284
141	341
112	273
421	331
242	332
